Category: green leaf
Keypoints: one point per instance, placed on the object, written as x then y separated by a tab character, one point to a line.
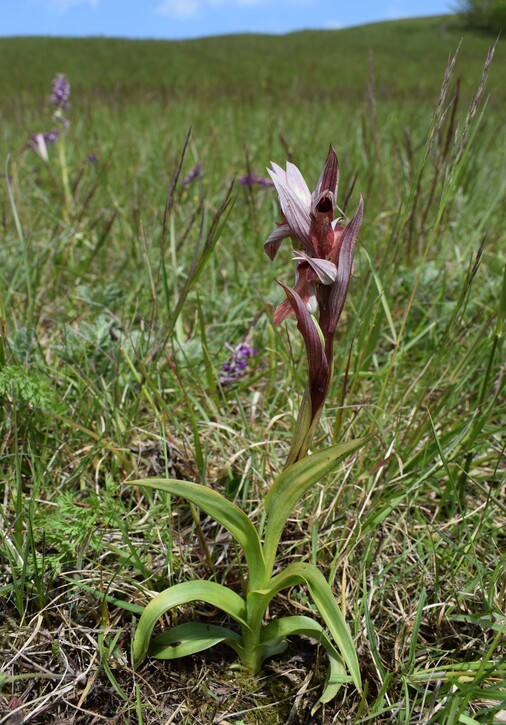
276	631
221	510
466	720
292	484
326	604
211	592
302	427
191	637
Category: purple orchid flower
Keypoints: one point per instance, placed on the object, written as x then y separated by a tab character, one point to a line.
196	173
324	266
253	179
237	365
60	93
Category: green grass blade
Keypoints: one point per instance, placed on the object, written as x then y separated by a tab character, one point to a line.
106	652
202	255
190	638
206	591
467	720
292	484
221	510
416	630
109	598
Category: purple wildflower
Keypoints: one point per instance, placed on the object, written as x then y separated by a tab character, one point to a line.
51	137
196	173
251	179
61	92
236	367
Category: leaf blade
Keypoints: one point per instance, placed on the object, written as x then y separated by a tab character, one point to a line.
221	510
301	624
292	484
205	591
327	605
190	638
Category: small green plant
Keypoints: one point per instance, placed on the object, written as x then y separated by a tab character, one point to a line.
22	388
323	271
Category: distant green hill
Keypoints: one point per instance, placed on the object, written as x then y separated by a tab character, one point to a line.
408	58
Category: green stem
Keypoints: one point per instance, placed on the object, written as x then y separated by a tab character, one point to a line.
25	246
64	173
3	329
302	426
256	604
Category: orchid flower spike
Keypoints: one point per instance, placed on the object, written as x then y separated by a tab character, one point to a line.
324	252
308	219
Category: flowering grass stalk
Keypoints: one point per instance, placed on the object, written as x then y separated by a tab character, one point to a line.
323	271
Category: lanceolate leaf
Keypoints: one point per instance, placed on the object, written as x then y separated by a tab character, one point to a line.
326	604
191	637
221	510
205	591
292	484
278	629
281	628
336	678
317	362
302	426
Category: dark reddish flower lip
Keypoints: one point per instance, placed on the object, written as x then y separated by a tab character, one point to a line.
325	203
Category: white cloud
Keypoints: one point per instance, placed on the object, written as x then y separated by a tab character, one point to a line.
61	6
179	8
191	8
333	25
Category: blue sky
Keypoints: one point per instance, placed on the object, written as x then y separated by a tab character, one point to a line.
193	18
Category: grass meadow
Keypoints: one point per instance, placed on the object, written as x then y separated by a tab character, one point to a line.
122	294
